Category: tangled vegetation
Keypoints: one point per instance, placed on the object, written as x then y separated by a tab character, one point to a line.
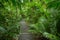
43	17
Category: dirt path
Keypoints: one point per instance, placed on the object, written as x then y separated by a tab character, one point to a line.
24	34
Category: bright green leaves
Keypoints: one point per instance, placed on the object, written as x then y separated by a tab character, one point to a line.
9	19
42	16
48	1
50	36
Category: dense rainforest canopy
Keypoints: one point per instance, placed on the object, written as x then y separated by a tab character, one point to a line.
42	16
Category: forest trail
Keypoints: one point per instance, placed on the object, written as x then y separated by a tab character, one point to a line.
24	34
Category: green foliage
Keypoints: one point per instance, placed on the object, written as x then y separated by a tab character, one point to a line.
42	15
9	20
